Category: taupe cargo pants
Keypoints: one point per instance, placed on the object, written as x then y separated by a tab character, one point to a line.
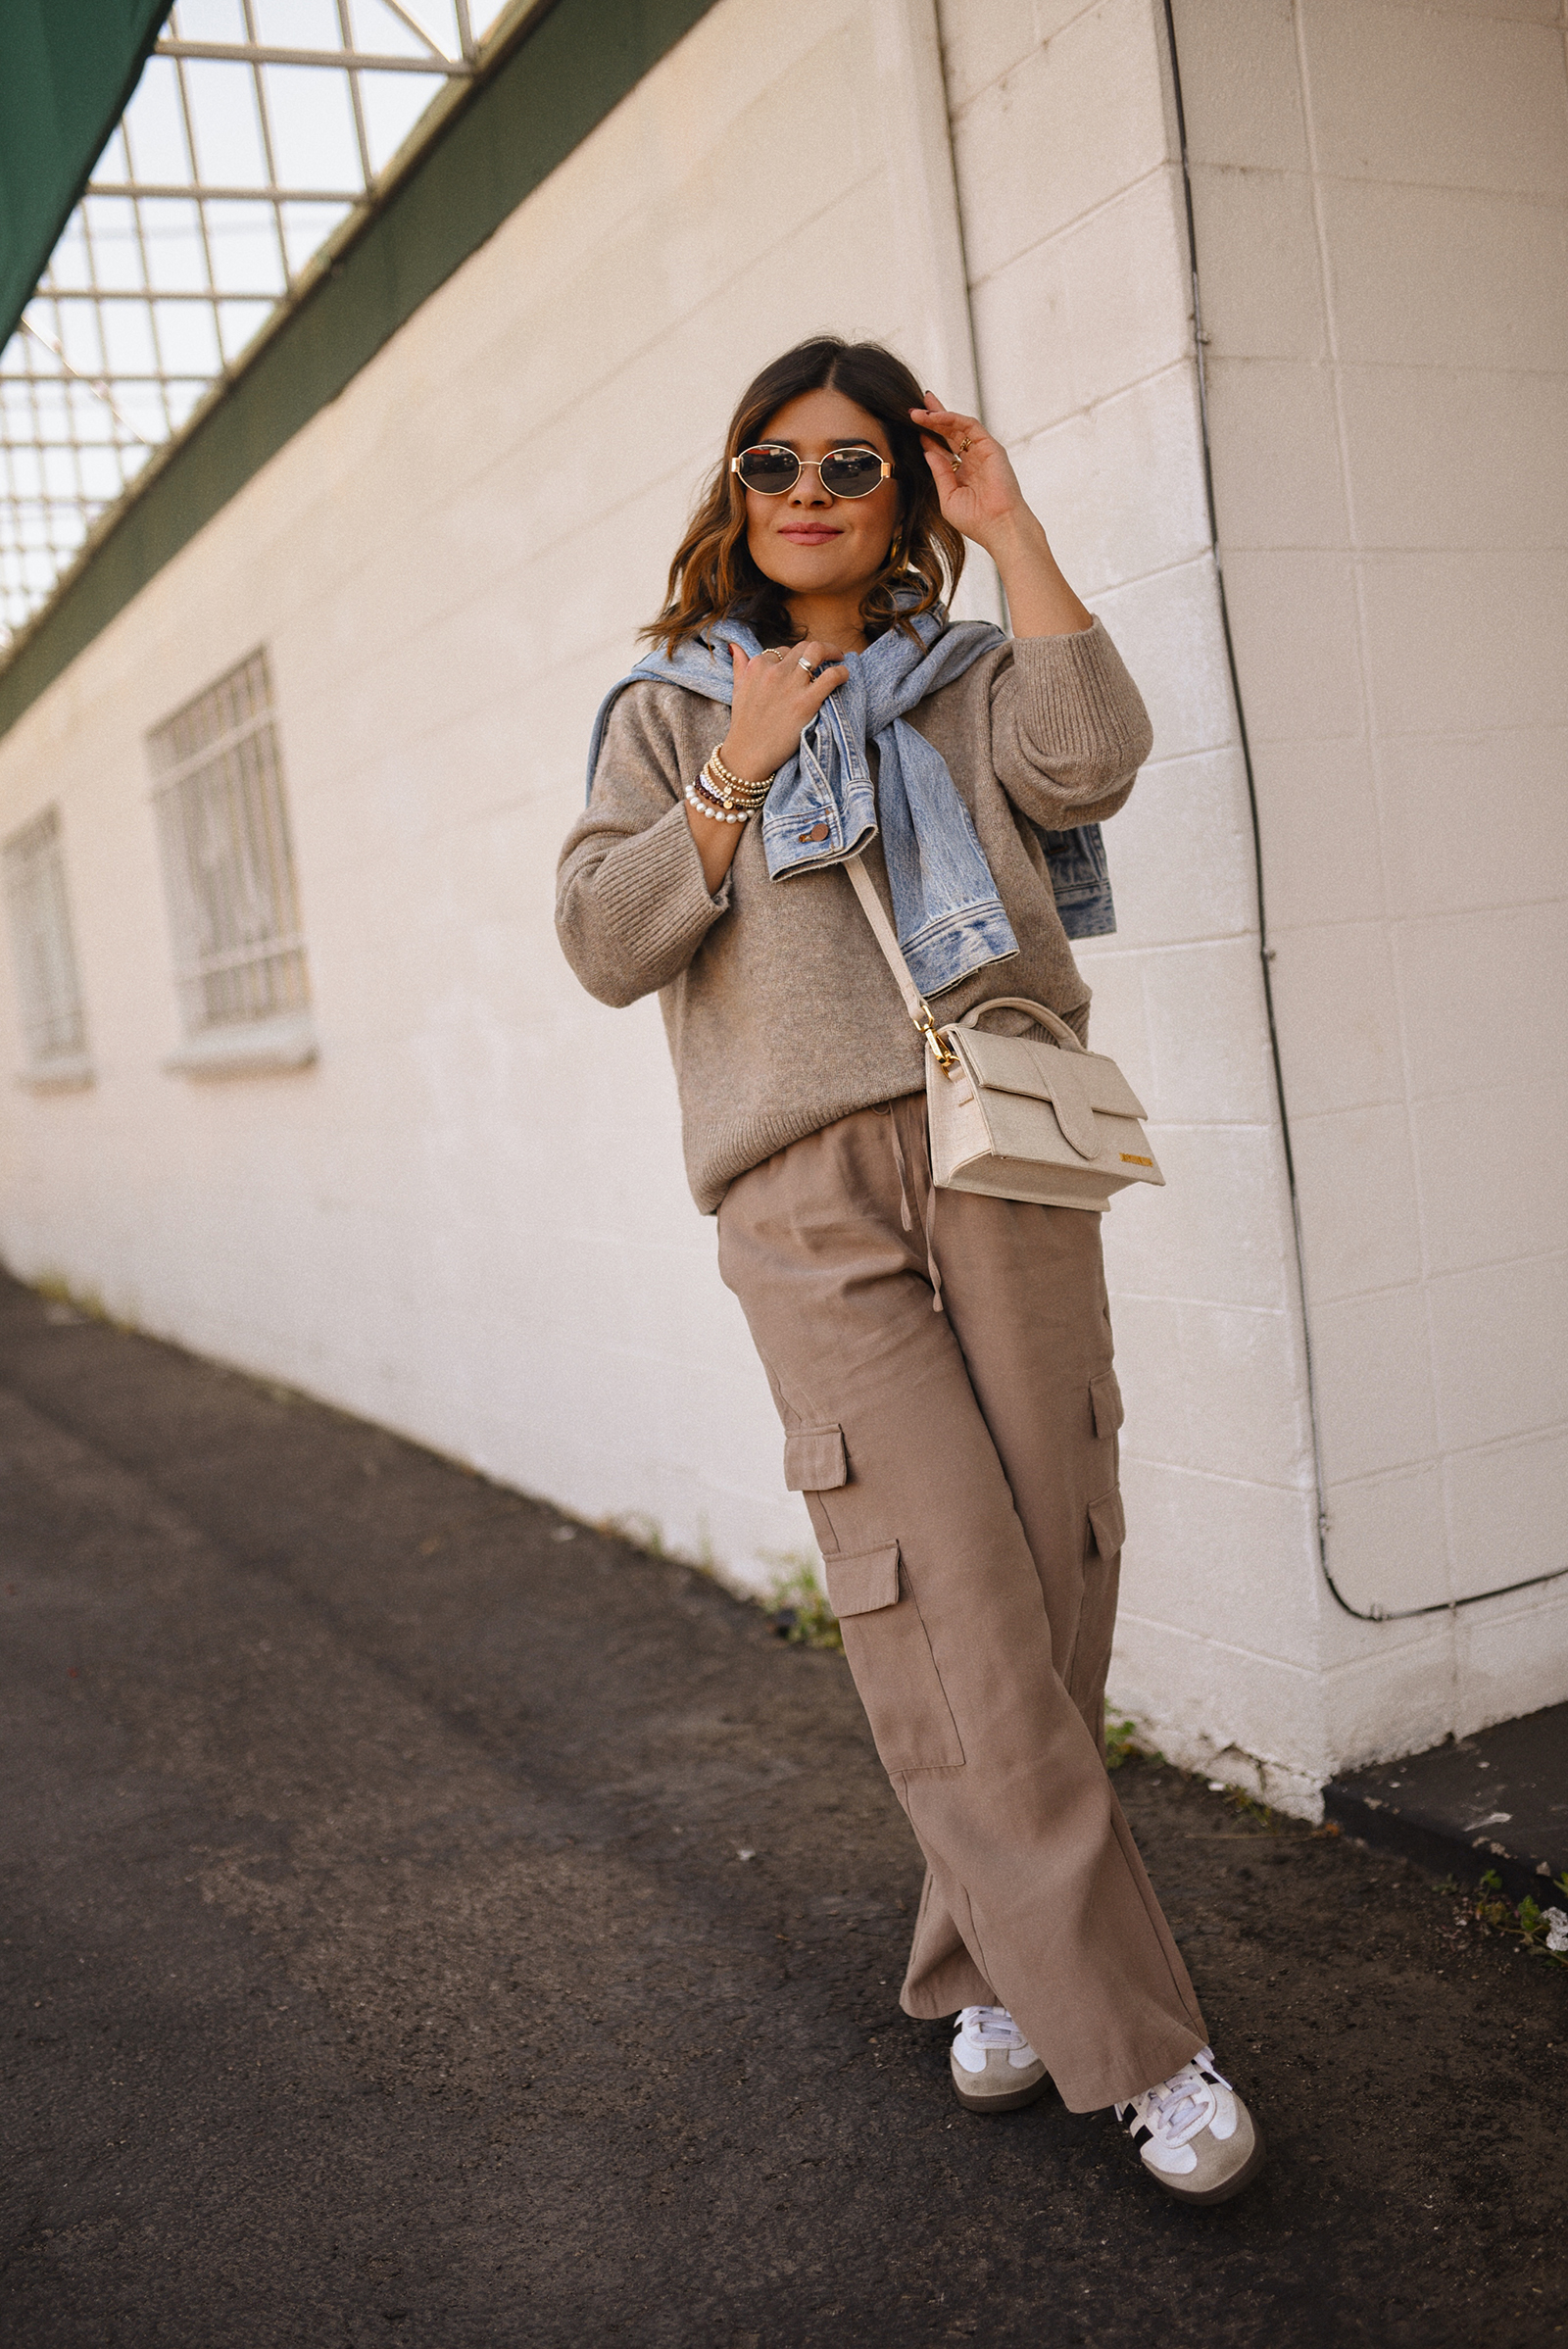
961	1471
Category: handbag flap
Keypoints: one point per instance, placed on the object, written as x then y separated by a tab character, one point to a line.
1046	1072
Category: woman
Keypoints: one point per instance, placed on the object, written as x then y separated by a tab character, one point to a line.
942	1363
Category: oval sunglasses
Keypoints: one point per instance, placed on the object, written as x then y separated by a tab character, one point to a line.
771	470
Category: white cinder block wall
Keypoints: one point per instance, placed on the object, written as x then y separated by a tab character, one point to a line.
468	1220
1075	235
1381	194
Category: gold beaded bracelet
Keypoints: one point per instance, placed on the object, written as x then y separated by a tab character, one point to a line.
738	785
736	794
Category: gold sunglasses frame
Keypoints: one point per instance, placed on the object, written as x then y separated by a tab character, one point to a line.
855	449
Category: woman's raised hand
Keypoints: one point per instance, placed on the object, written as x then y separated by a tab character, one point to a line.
975	481
979	495
775	700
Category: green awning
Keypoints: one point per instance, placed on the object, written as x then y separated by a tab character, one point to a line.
66	71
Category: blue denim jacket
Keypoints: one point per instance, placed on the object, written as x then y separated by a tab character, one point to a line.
823	806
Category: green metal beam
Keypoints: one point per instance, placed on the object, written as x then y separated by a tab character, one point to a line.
66	71
505	135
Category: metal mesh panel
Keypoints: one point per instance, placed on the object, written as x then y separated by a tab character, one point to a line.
227	863
260	128
41	945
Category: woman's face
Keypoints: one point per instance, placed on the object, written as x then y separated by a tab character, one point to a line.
809	541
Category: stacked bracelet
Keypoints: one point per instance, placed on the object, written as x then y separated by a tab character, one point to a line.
735	786
723	796
712	808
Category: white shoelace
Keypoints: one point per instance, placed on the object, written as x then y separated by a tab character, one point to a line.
990	2027
1177	2108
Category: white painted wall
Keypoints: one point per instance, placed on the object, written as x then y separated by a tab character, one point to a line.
1071	188
1381	193
468	1221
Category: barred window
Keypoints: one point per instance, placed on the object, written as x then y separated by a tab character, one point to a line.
228	865
45	955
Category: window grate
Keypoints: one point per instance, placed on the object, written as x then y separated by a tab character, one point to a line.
42	946
227	865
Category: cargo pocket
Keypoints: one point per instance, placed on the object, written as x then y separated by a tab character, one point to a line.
1108	1524
890	1656
813	1459
1106	1396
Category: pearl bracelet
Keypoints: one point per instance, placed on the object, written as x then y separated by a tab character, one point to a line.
710	809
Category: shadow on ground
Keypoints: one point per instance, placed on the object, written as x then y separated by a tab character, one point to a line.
381	1962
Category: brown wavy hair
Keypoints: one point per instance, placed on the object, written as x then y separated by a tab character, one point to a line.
713	577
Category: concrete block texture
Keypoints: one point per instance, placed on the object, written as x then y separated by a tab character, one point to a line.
1091	478
1388	1545
1217	1707
1521	1210
468	1220
1431	97
1379	194
1361	1228
1443	275
1321	836
1516	851
1258	408
1502	1501
1049	340
1241	86
1258	234
1066	129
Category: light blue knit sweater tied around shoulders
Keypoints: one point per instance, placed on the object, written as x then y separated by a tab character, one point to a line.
823	805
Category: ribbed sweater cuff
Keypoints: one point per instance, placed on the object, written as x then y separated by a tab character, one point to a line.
653	896
1078	700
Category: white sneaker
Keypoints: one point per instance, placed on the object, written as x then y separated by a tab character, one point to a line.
1195	2135
994	2070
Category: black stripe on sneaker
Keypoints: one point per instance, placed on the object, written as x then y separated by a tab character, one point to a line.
1141	2136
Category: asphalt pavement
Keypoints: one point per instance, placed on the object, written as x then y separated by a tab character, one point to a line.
424	1920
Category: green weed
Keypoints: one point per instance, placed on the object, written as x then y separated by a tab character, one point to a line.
1122	1742
637	1529
1257	1814
56	1290
1543	1931
798	1606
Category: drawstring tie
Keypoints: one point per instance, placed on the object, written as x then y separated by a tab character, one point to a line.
930	1216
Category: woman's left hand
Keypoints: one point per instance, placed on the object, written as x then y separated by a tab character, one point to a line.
973	473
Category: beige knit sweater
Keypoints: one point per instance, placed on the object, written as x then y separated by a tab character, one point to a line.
780	1011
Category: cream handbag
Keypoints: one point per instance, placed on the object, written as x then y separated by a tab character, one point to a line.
1053	1123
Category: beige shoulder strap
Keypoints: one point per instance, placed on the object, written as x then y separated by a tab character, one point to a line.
887	939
